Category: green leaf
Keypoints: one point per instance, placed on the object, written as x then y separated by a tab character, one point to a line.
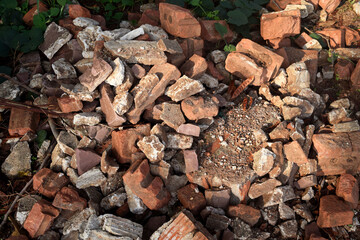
109	7
195	3
127	3
8	3
237	17
320	39
180	3
226	4
118	16
221	29
61	2
41	136
54	11
208	4
39	20
229	48
261	2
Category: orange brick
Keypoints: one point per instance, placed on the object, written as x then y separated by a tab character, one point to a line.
22	121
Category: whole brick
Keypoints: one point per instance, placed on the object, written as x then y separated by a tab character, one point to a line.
347	187
40	218
246	213
69	199
22	122
48	183
337	153
150	189
334	212
191	198
178	21
280	24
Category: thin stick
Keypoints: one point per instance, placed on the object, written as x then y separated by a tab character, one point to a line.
27	185
19	83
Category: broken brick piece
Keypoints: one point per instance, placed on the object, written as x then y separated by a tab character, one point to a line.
355	76
191	46
191	161
278	5
124	143
209	33
178	21
28	17
329	5
69	104
150	16
336	37
150	189
334	212
246	213
48	183
22	121
86	159
279	42
280	24
295	153
106	100
98	73
194	67
76	10
69	199
191	198
347	187
196	108
40	218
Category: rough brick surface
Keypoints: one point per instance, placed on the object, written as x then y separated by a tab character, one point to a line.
69	199
191	198
22	121
246	213
68	104
347	187
150	189
48	183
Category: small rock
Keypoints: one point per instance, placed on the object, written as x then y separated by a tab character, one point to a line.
98	73
218	56
18	161
89	119
191	161
117	77
189	129
337	115
263	161
303	211
289	229
93	177
85	160
270	214
122	102
194	67
171	115
179	141
115	199
196	108
258	189
108	164
306	108
246	213
278	195
352	126
298	77
133	34
209	81
344	102
155	33
356	8
217	222
286	212
85	22
307	181
308	194
170	46
152	147
294	153
63	69
184	87
135	203
121	226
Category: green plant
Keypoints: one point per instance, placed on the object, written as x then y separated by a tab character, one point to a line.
222	30
55	12
239	13
113	9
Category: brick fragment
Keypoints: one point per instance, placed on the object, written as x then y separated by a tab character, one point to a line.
178	21
210	34
22	122
69	104
106	100
86	159
246	213
191	198
336	37
28	17
69	199
48	183
191	161
329	6
334	212
194	67
218	198
150	189
40	218
294	153
355	76
347	187
76	10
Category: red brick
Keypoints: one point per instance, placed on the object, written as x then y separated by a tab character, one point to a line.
178	21
68	24
261	55
212	70
329	5
294	153
280	24
138	71
352	36
191	198
218	198
150	16
189	129
48	183
150	189
195	108
69	104
86	159
311	229
355	76
124	143
246	213
336	37
76	10
191	46
209	33
199	179
134	16
22	121
69	199
279	42
194	67
183	225
347	187
40	218
302	39
292	55
28	17
337	153
334	212
101	20
278	5
106	99
343	69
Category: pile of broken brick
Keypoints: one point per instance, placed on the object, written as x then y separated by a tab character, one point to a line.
136	98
